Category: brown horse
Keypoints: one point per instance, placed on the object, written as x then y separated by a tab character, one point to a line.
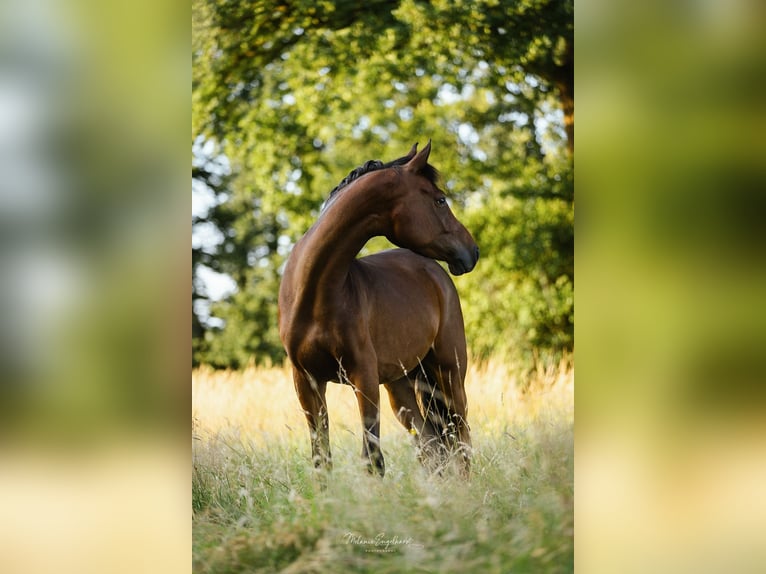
392	318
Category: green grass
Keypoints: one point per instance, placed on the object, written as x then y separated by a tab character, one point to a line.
258	507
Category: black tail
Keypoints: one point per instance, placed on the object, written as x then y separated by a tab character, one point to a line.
434	409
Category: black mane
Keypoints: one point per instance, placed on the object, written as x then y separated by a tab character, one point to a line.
428	171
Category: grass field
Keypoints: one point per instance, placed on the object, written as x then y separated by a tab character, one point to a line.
257	506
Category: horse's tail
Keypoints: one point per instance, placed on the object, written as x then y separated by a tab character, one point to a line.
433	407
441	444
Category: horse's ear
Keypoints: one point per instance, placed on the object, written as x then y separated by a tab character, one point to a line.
418	162
412	152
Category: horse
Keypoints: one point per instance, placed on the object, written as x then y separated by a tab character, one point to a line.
392	318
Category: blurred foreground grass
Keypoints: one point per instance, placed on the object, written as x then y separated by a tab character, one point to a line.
257	507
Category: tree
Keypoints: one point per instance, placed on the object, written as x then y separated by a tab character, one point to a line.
296	94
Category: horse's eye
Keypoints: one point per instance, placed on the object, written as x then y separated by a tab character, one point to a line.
441	202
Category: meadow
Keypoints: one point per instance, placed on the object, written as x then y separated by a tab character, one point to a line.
257	506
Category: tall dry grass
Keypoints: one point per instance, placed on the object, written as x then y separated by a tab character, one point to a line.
261	402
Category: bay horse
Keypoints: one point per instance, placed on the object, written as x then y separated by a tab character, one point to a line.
392	318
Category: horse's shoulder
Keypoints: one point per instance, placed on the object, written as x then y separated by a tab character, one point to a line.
405	263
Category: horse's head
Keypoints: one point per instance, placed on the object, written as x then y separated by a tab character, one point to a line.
423	221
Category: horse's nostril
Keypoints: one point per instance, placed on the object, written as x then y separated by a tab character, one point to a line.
476	253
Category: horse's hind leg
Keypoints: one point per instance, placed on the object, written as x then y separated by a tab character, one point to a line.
401	395
311	394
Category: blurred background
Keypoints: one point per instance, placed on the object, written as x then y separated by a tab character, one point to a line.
671	331
94	397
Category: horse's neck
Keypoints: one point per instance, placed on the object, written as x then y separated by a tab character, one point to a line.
334	241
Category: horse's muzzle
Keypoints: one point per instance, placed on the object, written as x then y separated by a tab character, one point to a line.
464	261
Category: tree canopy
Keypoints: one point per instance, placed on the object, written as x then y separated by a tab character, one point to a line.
289	96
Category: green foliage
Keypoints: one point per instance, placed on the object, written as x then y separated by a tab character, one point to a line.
526	270
296	94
